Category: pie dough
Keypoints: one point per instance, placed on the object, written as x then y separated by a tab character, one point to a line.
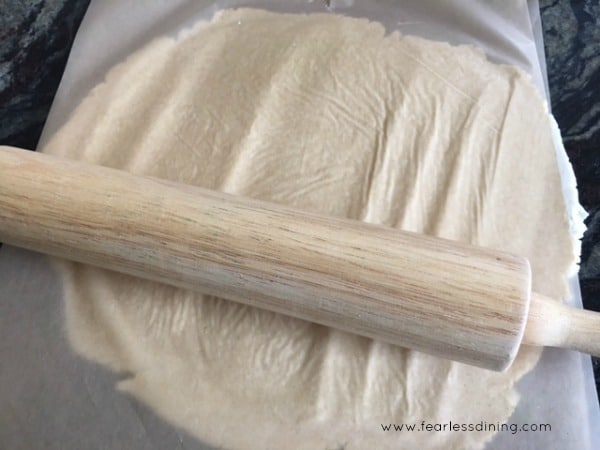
328	114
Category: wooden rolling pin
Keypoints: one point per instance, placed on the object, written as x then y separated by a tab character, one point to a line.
449	299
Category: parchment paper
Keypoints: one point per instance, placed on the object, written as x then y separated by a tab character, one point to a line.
52	398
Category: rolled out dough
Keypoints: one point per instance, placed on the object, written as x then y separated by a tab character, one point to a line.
332	115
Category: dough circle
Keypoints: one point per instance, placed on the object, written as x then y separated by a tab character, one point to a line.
333	115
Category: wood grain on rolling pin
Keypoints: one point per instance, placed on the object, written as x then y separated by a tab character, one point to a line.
445	298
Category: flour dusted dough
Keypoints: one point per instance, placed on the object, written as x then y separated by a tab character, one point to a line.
332	115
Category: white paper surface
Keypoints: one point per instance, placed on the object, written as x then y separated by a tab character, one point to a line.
57	398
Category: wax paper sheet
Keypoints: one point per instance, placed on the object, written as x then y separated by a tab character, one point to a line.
55	399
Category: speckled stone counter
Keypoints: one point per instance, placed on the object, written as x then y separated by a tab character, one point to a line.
35	39
572	44
36	36
572	40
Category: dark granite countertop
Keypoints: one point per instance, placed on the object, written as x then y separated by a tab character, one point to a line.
572	43
36	36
